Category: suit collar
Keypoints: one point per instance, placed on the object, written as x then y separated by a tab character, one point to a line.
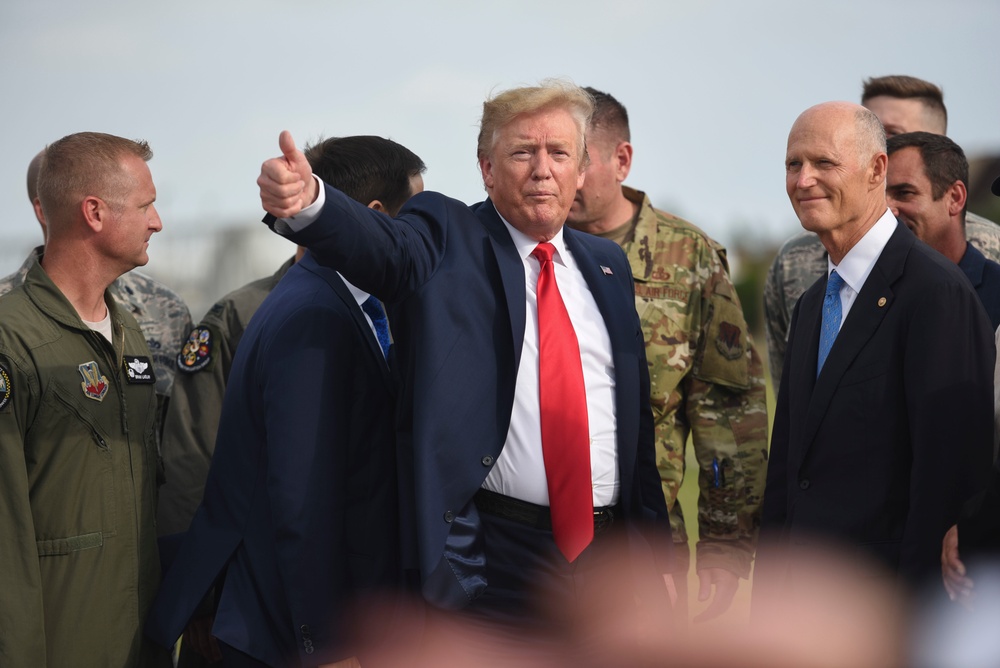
870	307
972	265
857	264
352	297
511	269
595	262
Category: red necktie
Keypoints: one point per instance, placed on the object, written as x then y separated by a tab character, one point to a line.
563	403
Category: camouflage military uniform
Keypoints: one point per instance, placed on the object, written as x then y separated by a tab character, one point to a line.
802	260
706	380
162	316
203	366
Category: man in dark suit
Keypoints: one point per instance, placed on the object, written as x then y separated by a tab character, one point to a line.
884	419
301	504
926	189
978	532
463	292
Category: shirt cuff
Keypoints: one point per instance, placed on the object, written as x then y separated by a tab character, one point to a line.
306	216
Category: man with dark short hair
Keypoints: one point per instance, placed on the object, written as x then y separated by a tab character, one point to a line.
707	378
300	514
978	532
926	189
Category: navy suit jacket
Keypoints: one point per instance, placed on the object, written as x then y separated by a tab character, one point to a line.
985	278
880	452
300	506
454	287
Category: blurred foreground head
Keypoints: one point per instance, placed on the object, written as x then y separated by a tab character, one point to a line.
836	613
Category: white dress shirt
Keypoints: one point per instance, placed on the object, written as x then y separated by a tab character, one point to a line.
520	469
860	260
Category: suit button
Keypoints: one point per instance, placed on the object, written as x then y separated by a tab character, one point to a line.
449	516
487	461
803	484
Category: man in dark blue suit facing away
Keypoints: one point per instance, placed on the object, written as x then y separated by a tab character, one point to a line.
300	510
500	512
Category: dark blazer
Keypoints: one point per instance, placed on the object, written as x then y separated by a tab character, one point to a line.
454	287
985	278
300	505
880	452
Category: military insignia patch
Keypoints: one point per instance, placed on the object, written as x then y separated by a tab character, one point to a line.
6	391
139	370
728	341
197	351
95	384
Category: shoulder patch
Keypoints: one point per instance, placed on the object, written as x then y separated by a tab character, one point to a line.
6	391
728	341
196	353
138	370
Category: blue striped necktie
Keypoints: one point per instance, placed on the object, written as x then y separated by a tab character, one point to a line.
831	318
373	308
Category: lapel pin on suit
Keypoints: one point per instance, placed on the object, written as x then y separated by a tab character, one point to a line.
881	302
607	270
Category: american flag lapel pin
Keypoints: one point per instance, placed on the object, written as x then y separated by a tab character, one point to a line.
607	271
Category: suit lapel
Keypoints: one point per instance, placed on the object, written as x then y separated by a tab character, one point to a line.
602	286
863	320
511	269
340	288
619	317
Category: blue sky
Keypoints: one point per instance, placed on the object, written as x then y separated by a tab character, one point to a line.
712	87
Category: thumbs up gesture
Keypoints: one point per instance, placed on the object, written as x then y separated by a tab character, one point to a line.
286	183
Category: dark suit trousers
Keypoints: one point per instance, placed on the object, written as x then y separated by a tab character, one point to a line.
531	586
234	658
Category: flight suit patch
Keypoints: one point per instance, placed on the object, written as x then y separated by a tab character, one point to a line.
139	370
197	351
6	391
95	384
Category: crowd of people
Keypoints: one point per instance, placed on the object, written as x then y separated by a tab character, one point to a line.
453	434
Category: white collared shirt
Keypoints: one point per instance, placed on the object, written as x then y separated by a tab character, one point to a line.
520	469
855	267
361	297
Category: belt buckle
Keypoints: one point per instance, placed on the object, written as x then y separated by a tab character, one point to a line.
603	518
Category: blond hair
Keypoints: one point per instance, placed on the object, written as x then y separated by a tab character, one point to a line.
501	109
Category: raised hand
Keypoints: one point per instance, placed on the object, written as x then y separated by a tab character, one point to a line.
286	183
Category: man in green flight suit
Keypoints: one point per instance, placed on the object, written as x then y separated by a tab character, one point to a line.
706	377
77	420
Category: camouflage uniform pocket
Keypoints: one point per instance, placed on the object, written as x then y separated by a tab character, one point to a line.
722	352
